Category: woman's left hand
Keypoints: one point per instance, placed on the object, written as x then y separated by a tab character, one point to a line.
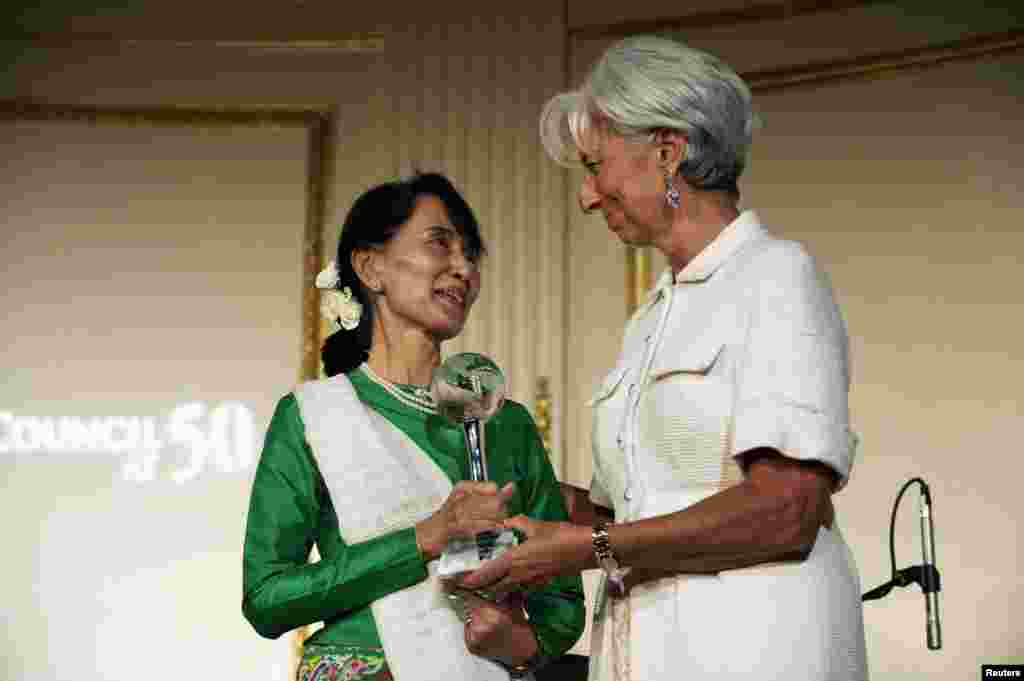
549	550
498	630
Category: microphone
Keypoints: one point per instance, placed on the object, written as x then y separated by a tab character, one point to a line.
930	574
926	574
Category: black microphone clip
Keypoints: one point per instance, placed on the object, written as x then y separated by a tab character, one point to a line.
927	576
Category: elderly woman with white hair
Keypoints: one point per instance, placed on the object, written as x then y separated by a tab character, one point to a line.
723	430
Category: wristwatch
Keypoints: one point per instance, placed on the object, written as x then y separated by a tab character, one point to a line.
605	558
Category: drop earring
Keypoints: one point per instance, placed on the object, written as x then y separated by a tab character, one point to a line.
671	193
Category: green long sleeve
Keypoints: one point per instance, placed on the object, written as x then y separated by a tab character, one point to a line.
288	510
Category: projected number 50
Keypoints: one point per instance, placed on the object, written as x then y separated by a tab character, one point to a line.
225	444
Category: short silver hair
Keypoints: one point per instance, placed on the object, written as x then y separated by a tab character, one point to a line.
647	83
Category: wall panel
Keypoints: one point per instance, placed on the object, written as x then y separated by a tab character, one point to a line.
465	100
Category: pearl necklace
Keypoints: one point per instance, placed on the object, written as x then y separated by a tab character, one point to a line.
415	396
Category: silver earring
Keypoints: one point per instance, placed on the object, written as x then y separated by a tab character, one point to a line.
671	193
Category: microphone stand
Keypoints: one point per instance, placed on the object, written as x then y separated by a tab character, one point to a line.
925	575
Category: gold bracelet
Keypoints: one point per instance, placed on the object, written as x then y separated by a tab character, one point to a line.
605	558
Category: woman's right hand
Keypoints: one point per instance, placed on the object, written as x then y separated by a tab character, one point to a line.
471	508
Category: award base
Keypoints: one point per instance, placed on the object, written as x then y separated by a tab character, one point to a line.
463	555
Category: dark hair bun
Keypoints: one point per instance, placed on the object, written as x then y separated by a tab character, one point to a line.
343	351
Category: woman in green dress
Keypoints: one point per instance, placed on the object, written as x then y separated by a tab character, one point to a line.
361	465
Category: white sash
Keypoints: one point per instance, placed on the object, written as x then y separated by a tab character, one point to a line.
380	481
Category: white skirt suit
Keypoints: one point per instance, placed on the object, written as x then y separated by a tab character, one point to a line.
745	349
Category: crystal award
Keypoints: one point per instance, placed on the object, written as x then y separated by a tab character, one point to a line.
469	389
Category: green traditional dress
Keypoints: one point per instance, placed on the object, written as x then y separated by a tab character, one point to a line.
291	509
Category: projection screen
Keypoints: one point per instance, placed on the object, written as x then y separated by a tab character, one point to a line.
153	315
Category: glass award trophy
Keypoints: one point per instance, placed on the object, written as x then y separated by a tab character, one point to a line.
469	389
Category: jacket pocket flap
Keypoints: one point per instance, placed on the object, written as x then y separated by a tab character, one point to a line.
697	360
608	385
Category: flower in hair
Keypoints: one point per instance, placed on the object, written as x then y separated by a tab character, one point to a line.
328	277
340	307
337	307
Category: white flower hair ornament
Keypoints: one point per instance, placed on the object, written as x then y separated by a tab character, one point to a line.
328	277
337	307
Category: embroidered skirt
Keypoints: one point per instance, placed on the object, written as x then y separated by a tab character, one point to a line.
343	663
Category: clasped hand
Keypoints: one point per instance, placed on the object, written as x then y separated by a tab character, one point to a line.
471	508
549	549
495	628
